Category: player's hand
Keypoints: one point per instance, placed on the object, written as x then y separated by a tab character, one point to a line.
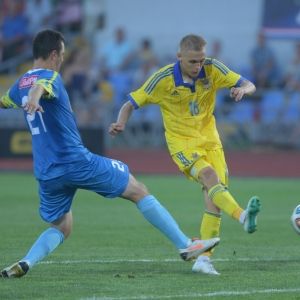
237	93
31	107
116	128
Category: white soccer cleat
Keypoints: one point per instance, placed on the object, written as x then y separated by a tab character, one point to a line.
252	210
198	247
204	265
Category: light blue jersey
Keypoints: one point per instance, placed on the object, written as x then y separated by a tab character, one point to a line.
55	138
61	163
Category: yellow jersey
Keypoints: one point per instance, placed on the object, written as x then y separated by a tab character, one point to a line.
187	108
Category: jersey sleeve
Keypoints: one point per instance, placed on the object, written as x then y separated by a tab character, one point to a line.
149	91
49	80
7	101
11	98
223	76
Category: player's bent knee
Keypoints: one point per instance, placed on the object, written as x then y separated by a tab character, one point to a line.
64	224
208	177
135	190
67	233
66	230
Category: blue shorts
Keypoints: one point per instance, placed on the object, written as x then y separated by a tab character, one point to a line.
105	176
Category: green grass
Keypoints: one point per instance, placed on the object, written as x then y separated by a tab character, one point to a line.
114	254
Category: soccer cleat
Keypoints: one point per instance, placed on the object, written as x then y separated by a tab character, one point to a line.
197	247
204	265
252	210
18	269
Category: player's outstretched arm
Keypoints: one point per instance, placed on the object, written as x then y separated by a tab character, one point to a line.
246	88
34	96
124	115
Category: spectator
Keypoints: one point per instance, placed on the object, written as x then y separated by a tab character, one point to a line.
291	81
146	63
147	121
4	8
146	55
264	66
76	73
112	61
98	39
99	36
118	53
41	20
69	16
217	52
14	30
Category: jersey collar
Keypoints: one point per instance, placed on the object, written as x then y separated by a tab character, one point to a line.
179	80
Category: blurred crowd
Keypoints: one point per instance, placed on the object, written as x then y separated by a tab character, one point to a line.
100	70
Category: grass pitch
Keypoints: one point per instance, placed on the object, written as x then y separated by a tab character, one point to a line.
114	254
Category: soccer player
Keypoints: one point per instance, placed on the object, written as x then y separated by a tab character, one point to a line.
62	164
185	92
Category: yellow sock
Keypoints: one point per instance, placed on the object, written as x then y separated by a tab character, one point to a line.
210	227
221	197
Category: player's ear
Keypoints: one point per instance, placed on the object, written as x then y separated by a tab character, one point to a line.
53	54
179	56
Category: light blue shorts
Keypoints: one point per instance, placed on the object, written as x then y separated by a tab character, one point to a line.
105	176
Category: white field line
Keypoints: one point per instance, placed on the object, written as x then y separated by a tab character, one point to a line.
200	295
190	295
167	260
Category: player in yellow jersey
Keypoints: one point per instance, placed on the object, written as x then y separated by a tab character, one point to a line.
186	92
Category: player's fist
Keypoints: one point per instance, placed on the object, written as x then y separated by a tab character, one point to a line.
237	93
116	128
31	107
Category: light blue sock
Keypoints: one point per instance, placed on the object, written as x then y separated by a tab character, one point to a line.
44	245
159	217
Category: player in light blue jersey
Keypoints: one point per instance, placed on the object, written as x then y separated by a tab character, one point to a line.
62	164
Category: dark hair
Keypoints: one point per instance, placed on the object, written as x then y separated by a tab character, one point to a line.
192	42
45	42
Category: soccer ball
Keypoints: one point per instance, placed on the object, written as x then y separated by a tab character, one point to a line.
295	218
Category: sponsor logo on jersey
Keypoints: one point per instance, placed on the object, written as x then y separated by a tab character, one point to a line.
28	81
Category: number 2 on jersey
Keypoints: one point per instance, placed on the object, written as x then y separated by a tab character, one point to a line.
118	165
31	117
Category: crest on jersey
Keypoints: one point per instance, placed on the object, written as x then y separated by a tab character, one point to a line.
205	83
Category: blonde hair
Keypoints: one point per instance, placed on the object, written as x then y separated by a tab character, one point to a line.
192	42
